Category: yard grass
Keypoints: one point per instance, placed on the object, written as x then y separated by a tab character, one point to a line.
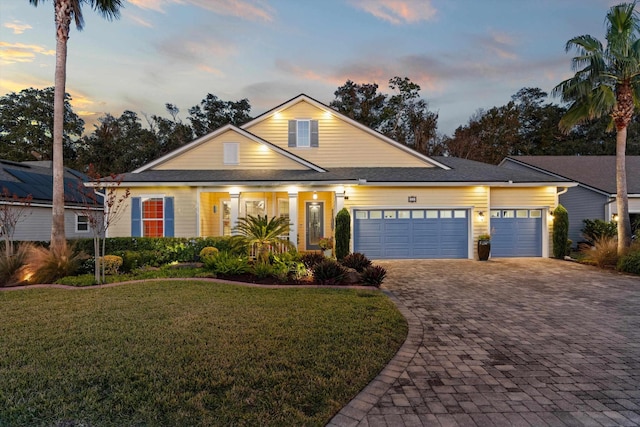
189	353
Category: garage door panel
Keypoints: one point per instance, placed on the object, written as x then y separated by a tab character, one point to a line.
412	236
516	237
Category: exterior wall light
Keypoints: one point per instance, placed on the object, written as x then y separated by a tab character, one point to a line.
481	216
614	217
315	196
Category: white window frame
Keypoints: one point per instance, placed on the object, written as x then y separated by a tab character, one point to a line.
231	153
78	223
142	218
306	137
243	205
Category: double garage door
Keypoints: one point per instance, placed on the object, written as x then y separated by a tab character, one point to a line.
443	233
412	233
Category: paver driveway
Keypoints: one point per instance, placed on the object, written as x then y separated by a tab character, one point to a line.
508	342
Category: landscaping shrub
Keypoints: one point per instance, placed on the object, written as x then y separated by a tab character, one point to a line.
208	251
262	270
357	261
630	263
597	228
373	275
227	263
179	249
11	267
560	231
329	272
343	233
46	265
112	264
287	266
604	252
311	259
80	281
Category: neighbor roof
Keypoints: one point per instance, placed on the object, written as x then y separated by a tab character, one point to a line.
598	172
36	179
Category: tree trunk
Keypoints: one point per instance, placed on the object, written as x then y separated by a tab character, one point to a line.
622	201
63	21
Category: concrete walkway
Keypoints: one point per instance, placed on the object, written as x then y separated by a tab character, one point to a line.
522	342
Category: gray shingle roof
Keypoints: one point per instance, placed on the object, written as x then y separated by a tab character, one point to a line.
463	171
598	172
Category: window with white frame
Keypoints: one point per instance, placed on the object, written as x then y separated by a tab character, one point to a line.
283	208
153	217
303	133
231	155
82	223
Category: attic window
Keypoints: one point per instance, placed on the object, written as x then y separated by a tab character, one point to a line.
231	153
303	133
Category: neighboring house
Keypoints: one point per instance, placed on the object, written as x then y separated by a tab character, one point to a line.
305	161
36	179
595	195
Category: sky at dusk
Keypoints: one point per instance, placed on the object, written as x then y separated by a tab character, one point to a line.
465	54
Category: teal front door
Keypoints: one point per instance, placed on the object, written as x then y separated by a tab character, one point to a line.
315	224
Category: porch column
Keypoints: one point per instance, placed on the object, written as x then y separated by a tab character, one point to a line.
339	199
235	209
293	218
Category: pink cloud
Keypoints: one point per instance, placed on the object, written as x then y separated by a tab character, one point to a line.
398	11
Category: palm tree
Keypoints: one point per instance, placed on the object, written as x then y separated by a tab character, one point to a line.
264	234
607	82
64	11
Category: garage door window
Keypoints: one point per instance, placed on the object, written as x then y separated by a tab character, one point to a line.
432	214
445	214
459	214
375	215
404	214
389	214
417	214
495	214
535	214
362	215
522	213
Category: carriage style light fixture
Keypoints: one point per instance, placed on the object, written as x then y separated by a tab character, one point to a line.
481	216
614	217
315	196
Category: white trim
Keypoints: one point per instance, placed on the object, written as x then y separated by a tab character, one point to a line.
257	184
240	131
317	104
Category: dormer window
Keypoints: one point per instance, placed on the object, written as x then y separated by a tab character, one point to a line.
303	133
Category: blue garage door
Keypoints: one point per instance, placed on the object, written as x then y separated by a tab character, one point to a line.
516	233
411	233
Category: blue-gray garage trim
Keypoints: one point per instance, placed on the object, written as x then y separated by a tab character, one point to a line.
411	233
516	233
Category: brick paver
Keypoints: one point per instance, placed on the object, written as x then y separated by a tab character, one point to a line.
514	342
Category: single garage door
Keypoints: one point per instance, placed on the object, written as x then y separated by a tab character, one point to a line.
411	233
516	232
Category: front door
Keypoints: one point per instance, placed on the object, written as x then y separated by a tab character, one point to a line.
315	224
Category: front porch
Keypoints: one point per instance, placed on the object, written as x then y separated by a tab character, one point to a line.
311	212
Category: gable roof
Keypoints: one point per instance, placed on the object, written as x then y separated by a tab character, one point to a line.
36	179
219	131
320	105
596	172
458	172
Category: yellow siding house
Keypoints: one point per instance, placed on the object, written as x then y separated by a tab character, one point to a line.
305	161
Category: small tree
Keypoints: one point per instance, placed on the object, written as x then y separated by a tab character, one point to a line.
99	220
343	233
560	231
12	211
264	234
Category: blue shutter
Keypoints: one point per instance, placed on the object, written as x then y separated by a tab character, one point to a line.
168	217
136	217
314	133
293	128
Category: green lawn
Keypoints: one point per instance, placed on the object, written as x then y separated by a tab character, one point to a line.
189	353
